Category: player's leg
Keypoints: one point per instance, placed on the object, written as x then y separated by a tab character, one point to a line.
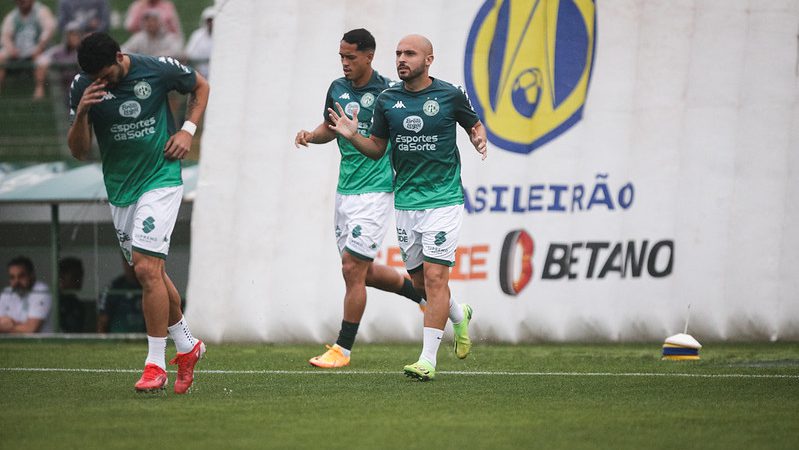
410	242
154	377
379	276
389	279
353	267
155	298
446	240
154	219
189	349
435	277
354	270
155	307
439	230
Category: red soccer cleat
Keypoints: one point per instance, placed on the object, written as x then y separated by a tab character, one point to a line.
152	380
186	363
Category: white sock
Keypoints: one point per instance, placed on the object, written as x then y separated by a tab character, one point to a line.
181	334
432	339
455	311
156	353
344	351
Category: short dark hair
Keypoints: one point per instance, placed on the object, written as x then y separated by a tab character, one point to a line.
23	261
361	37
71	266
96	52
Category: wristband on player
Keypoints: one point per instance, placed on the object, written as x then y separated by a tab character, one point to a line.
189	127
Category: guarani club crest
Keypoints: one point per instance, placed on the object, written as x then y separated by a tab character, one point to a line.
527	68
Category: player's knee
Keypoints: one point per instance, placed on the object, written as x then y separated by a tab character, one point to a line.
353	270
147	272
435	279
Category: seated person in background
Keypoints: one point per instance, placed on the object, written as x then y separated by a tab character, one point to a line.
25	33
90	15
134	20
119	307
154	40
25	304
198	50
70	281
64	56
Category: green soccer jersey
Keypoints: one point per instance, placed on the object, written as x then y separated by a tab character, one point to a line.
133	124
421	128
358	174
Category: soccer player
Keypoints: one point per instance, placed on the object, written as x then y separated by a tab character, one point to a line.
364	195
419	117
123	99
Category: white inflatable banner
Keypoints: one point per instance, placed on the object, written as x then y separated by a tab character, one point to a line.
642	158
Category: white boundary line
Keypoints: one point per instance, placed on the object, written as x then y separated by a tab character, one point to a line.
376	372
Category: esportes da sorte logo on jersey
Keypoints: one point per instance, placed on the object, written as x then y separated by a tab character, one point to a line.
527	68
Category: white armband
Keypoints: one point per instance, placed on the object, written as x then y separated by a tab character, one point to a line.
189	127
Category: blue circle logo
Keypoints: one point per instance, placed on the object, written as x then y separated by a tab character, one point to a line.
527	68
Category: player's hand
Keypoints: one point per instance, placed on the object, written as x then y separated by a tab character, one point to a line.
478	142
342	124
303	138
178	146
91	96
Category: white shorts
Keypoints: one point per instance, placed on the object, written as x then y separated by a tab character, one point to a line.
146	226
429	235
361	222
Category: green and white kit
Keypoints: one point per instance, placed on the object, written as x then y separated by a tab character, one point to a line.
146	226
362	221
429	235
364	195
421	128
133	123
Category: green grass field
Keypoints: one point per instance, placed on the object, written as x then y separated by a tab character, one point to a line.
502	396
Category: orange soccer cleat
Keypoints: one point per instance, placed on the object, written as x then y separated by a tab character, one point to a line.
332	358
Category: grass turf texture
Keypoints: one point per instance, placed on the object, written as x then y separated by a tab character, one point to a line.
382	409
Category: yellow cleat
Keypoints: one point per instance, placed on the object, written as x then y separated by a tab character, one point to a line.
332	358
420	370
463	344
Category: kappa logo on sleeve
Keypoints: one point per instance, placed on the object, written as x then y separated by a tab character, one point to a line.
527	68
174	62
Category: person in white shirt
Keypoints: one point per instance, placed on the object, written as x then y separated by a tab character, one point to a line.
198	50
25	304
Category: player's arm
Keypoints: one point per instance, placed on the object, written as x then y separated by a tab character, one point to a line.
180	143
372	147
320	135
79	136
477	134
